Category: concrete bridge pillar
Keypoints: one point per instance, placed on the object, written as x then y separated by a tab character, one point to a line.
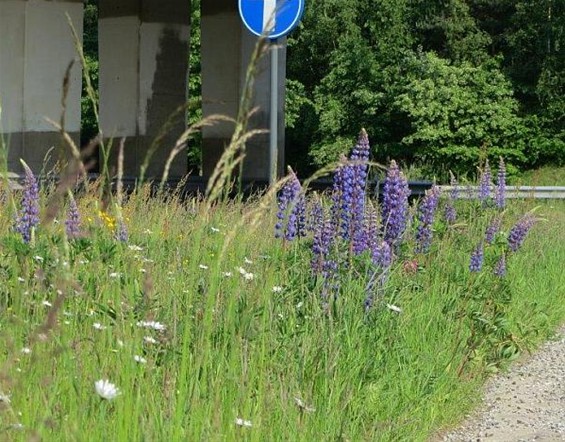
36	47
226	50
143	50
143	71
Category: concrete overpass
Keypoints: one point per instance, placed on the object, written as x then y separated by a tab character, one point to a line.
143	74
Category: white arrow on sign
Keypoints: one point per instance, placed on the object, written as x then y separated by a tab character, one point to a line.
269	7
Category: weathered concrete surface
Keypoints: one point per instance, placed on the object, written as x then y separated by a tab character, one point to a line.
143	49
35	50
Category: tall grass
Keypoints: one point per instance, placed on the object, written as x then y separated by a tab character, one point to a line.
235	346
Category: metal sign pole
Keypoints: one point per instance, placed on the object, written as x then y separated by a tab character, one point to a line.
273	133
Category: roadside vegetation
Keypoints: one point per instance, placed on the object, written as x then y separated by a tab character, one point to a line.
320	317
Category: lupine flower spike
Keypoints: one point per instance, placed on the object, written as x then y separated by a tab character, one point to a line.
292	210
492	229
360	156
72	223
348	197
500	267
426	218
450	212
485	184
518	233
477	256
323	239
28	218
395	204
121	230
500	196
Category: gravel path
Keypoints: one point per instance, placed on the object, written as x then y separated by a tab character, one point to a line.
525	404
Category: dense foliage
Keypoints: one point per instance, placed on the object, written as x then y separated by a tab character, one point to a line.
440	82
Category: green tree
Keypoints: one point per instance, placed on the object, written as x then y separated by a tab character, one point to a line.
460	114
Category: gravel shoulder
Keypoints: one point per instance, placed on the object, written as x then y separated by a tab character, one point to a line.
527	403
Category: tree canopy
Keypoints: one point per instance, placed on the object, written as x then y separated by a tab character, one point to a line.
441	82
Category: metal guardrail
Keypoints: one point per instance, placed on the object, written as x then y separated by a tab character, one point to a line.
534	192
197	184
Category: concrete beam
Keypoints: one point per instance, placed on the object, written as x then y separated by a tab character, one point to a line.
35	50
143	50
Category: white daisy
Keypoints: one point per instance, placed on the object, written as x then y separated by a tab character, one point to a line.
247	260
47	303
394	308
140	359
243	423
248	276
203	267
277	289
150	340
106	390
98	326
214	229
151	324
226	274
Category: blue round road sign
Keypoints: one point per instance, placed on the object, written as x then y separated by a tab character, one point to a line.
272	18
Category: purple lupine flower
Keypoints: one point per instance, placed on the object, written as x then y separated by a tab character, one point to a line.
500	196
500	266
395	204
492	229
371	227
121	231
360	156
330	281
426	216
315	216
450	211
292	210
323	239
28	217
485	184
348	198
477	256
519	231
381	254
72	223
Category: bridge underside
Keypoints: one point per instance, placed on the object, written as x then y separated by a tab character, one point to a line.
143	75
